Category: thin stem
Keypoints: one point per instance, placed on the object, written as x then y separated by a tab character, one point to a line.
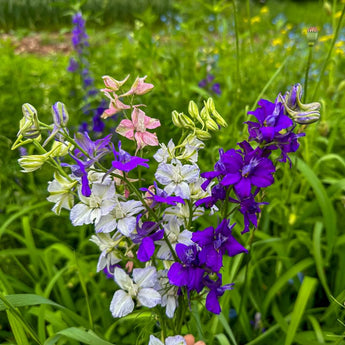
321	75
310	56
237	43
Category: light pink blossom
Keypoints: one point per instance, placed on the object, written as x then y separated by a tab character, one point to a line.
139	87
113	84
135	129
115	105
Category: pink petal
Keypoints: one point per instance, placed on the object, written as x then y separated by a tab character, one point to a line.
151	123
150	138
126	129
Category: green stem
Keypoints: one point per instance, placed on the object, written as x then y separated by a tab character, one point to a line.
250	26
237	43
310	56
321	75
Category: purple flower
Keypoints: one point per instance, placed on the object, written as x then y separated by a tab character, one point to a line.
162	197
216	88
73	65
125	162
242	169
216	291
271	120
249	208
218	192
215	243
188	272
146	236
94	149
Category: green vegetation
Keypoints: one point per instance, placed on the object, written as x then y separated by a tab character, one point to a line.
293	278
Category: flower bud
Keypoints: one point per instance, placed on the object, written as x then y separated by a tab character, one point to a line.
212	109
194	112
60	149
176	119
29	127
32	162
202	135
312	35
211	125
299	112
60	114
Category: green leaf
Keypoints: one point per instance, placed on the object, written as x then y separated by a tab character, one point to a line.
327	209
305	292
80	334
24	300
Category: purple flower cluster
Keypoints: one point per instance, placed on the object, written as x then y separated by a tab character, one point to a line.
209	85
80	65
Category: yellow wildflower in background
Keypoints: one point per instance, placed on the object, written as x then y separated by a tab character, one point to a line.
255	19
326	38
277	42
264	10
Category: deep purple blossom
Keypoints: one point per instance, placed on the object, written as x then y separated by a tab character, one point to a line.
242	169
188	272
125	162
146	235
218	192
271	120
73	65
216	291
249	208
95	149
215	243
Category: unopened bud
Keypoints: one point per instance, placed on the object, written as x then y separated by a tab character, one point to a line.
212	110
32	162
211	125
202	135
186	121
176	119
28	126
60	114
299	112
312	35
194	112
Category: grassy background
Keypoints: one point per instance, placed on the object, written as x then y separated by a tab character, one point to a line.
297	258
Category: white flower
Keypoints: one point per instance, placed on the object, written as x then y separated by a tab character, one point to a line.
175	340
174	235
168	293
140	288
165	153
61	194
177	177
108	246
182	212
122	217
92	208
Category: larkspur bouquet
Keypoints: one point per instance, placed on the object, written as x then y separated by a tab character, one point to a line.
148	232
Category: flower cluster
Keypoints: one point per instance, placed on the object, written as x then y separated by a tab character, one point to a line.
150	243
81	65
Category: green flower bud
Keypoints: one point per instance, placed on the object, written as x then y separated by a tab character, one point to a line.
202	135
176	119
186	121
194	112
212	109
312	35
32	162
29	127
211	125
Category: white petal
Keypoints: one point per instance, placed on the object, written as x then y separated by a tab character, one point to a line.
176	340
186	238
170	306
121	304
149	297
80	214
164	173
170	188
154	341
106	224
182	190
122	279
145	277
190	172
164	252
126	225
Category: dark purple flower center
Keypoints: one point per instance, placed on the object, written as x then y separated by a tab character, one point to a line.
247	169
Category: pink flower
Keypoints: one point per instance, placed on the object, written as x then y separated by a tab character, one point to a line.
115	105
139	87
113	84
135	129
